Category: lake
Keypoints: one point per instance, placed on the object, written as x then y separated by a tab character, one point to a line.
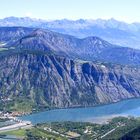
90	114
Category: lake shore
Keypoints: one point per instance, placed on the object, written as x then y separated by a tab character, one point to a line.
73	107
104	119
98	114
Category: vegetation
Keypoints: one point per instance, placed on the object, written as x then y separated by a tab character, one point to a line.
18	133
132	135
34	134
37	133
21	104
127	125
115	129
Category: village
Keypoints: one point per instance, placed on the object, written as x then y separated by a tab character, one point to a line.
9	121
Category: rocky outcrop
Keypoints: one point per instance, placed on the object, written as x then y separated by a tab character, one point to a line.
61	82
52	69
91	48
10	34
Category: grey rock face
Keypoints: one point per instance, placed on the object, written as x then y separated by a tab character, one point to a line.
8	34
52	69
61	82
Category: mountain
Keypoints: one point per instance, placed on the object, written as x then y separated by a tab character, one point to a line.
47	69
24	22
8	34
90	48
54	81
115	32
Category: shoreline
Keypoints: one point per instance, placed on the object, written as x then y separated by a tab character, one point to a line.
79	107
27	124
21	123
104	119
74	107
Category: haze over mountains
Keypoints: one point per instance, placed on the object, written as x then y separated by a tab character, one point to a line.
116	32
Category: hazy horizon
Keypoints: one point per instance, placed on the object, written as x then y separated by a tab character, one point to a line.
127	11
70	19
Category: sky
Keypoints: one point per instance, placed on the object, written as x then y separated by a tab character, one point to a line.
123	10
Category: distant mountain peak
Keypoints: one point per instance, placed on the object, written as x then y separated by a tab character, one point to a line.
40	32
112	30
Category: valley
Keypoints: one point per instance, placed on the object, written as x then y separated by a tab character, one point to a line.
41	69
67	80
69	70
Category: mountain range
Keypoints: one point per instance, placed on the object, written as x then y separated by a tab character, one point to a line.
113	31
50	69
88	49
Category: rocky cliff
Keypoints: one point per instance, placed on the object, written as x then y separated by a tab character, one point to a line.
49	69
60	82
8	34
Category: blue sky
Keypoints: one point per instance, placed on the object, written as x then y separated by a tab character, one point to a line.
125	10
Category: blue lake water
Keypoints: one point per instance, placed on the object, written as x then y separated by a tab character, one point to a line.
89	114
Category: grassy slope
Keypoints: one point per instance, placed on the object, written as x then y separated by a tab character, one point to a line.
33	133
18	133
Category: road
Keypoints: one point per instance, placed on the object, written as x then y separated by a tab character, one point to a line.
109	132
15	127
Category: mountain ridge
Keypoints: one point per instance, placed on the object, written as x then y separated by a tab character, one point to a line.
45	69
115	32
90	48
50	80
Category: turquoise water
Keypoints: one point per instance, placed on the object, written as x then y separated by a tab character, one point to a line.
127	107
